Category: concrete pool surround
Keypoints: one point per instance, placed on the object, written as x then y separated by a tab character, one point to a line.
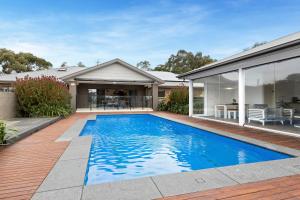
66	179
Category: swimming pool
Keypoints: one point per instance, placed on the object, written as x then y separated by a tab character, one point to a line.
139	145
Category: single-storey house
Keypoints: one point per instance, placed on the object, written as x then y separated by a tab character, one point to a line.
257	88
111	85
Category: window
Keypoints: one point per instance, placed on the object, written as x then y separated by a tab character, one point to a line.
219	91
161	93
273	91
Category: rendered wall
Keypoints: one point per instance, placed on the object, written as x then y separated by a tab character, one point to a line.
8	105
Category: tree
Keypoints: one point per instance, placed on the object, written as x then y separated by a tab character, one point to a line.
184	61
21	62
256	44
80	64
145	65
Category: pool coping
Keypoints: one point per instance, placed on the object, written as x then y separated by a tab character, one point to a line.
66	179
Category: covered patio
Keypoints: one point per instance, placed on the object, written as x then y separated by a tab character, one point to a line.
258	88
125	96
114	85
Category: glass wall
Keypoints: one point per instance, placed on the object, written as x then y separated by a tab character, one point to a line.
273	93
220	95
198	99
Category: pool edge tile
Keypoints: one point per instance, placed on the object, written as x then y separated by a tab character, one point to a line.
79	148
65	174
193	181
142	188
267	145
254	172
73	131
72	193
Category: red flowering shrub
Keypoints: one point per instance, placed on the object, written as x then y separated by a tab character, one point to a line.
42	96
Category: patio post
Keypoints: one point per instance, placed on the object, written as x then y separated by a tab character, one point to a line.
242	109
205	103
73	93
191	96
154	96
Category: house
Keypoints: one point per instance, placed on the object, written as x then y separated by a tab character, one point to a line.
111	85
257	88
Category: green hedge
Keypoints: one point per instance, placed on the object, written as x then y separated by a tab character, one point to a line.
44	96
177	102
2	132
5	132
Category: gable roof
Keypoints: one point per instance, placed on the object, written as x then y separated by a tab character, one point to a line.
105	64
276	44
48	72
71	72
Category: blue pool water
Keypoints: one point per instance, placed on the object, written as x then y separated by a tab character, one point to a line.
139	145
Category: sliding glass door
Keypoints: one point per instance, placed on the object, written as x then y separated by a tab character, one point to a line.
273	94
220	96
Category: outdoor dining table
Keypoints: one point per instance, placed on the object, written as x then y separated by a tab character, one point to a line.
227	109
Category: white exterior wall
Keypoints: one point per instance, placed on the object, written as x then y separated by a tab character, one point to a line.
115	72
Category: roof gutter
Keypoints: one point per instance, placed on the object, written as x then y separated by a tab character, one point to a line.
218	64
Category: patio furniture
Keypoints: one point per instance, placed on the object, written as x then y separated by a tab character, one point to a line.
112	102
232	112
270	115
223	109
297	117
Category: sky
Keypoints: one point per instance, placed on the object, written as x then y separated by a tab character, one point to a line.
94	31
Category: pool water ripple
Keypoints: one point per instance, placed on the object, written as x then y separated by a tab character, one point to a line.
138	145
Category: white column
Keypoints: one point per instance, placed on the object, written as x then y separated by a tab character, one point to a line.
242	111
73	93
191	98
154	96
205	99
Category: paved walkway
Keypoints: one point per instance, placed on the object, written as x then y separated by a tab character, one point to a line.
25	164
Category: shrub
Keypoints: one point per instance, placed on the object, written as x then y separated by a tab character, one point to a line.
42	96
178	102
5	132
2	132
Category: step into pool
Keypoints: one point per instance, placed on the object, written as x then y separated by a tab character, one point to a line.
128	146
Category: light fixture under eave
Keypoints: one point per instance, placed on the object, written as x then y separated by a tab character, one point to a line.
229	88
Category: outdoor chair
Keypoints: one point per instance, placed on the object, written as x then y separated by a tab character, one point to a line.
270	115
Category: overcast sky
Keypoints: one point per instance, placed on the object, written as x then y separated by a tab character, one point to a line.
91	30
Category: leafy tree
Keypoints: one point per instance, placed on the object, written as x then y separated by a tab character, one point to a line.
184	61
80	64
21	62
145	65
256	44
